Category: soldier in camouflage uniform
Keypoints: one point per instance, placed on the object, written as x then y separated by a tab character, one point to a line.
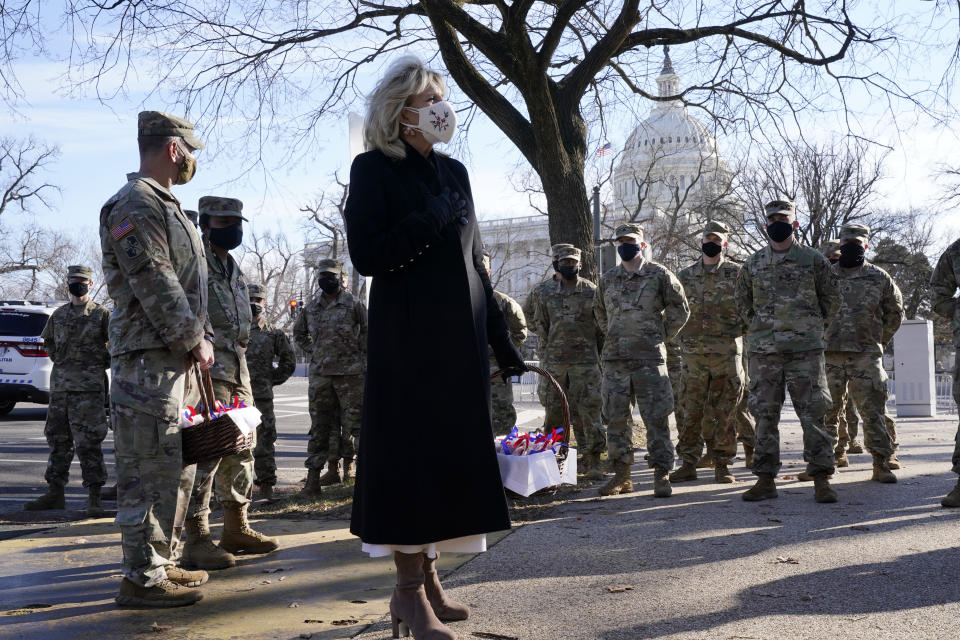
154	266
746	433
76	340
943	285
870	312
501	391
333	330
639	306
231	477
713	378
570	342
786	294
267	345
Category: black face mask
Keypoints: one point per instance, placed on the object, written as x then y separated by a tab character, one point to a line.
851	255
833	260
628	251
256	309
330	286
556	266
569	273
779	230
711	249
78	289
226	237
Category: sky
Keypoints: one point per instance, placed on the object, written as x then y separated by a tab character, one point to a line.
98	145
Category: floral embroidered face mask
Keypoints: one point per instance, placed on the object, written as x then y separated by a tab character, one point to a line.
437	122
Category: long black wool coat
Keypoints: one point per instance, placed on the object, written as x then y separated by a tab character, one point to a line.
427	469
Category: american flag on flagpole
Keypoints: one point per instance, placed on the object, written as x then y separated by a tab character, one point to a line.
605	150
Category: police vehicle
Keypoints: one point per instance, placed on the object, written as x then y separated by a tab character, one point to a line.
25	367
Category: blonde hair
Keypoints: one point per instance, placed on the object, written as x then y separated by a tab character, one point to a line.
405	78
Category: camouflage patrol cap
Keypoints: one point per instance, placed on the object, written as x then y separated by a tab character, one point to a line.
568	253
221	206
79	271
192	216
557	248
157	123
329	265
629	229
717	229
856	231
829	247
255	290
780	206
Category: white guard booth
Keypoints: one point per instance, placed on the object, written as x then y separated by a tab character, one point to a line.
913	363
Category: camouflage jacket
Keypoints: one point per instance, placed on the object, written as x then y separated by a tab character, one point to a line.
639	311
268	344
870	312
516	322
230	317
943	287
714	325
76	340
334	333
154	267
786	299
530	304
564	321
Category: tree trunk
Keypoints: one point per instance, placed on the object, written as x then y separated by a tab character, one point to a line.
571	219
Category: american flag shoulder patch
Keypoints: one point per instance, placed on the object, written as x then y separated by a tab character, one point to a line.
121	229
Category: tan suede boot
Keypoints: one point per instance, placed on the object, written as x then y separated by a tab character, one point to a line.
892	462
591	466
446	610
686	472
840	459
620	482
347	469
165	593
952	499
52	499
661	483
764	489
881	470
822	491
266	492
409	608
854	447
238	537
94	506
722	474
199	552
706	461
748	456
312	487
187	578
332	476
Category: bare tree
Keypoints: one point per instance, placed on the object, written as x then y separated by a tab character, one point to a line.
22	161
34	259
20	33
325	220
543	72
268	259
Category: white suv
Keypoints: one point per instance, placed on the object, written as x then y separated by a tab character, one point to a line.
24	366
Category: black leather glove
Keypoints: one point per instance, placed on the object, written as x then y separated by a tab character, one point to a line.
445	208
510	361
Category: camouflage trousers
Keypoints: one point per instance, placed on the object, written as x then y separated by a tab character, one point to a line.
861	376
230	478
581	384
153	489
956	398
264	454
849	420
746	425
675	370
647	383
712	387
803	374
501	400
335	405
76	422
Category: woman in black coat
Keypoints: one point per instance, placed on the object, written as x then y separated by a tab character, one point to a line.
427	475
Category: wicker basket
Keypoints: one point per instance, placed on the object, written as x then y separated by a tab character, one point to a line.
564	449
211	439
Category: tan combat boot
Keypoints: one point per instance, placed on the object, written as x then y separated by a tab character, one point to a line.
312	487
165	593
446	610
764	489
952	499
266	492
94	506
661	483
238	537
199	552
409	608
854	447
706	461
52	499
881	470
332	476
892	462
620	482
840	458
722	474
748	456
822	491
591	466
187	578
687	471
347	469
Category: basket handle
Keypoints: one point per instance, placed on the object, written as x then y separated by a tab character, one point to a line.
207	399
564	403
